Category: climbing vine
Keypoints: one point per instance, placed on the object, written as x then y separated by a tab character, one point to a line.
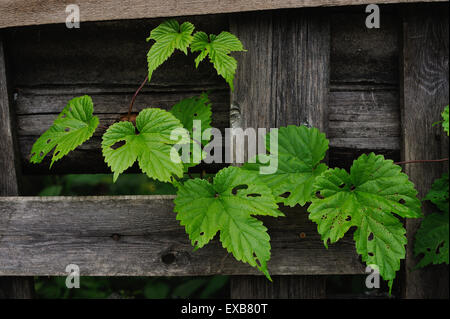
372	196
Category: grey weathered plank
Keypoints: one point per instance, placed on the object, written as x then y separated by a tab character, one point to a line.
360	117
139	235
9	175
365	119
18	13
425	92
282	79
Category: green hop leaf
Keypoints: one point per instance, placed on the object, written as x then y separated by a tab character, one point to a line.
438	194
169	36
227	205
73	126
218	48
194	108
445	120
367	198
432	240
149	143
300	150
433	235
188	111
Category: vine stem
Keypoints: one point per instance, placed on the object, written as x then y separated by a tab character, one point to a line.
130	108
422	161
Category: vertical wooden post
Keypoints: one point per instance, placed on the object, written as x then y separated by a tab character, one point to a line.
282	79
10	287
425	93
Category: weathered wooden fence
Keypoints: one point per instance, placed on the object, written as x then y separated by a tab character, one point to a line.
368	89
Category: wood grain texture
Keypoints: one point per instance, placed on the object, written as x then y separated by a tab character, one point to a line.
139	236
365	119
10	287
282	79
21	12
425	92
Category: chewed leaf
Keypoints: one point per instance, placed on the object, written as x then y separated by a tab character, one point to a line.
73	126
432	240
300	151
368	198
150	143
227	205
218	48
169	36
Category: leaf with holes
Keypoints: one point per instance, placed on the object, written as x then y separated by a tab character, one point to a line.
445	119
168	36
432	240
73	126
196	109
149	142
433	235
227	205
368	198
300	151
218	49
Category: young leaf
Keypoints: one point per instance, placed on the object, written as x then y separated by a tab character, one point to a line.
73	126
149	143
188	111
367	198
445	119
194	108
169	36
218	48
300	150
432	237
432	240
227	205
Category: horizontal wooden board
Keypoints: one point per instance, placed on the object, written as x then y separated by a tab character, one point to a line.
360	118
21	12
139	236
364	118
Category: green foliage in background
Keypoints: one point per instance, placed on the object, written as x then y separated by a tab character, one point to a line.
133	287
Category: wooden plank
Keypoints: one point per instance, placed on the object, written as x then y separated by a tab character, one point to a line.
425	92
9	176
21	12
282	79
364	119
360	118
139	236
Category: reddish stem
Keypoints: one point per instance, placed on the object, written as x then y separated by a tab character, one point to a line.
130	108
422	161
